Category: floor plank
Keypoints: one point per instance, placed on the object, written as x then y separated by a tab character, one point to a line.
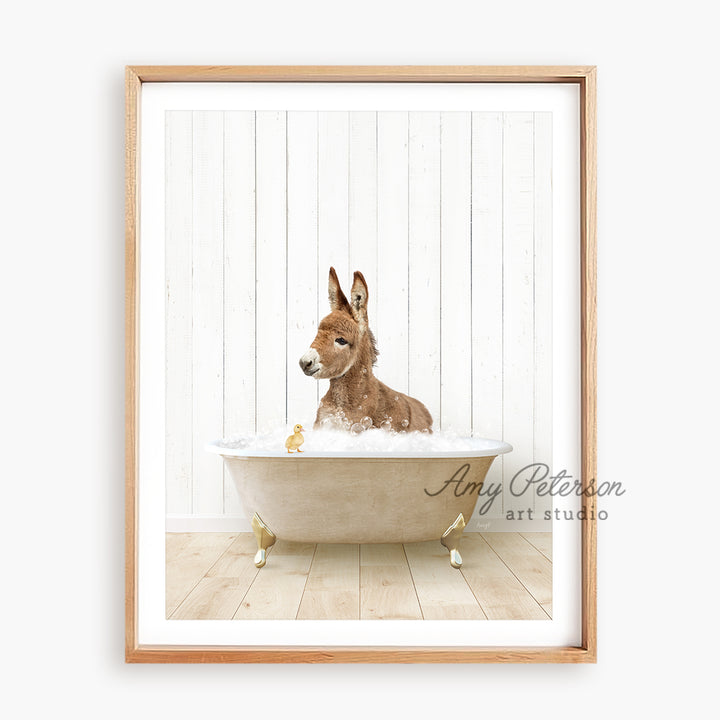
441	589
528	564
500	594
235	559
332	591
218	595
383	554
213	598
186	563
387	591
540	540
504	576
278	587
175	542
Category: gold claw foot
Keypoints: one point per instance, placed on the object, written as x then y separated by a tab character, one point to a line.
265	539
451	540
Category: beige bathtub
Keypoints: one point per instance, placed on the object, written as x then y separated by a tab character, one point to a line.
326	497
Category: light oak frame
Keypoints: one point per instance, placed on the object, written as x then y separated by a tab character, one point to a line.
585	78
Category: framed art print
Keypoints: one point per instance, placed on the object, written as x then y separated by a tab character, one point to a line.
360	353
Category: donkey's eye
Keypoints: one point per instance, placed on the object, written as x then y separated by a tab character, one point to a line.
341	341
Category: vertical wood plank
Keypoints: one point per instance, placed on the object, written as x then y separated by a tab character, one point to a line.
362	205
271	239
178	312
424	261
542	188
518	330
487	287
207	308
455	264
302	260
391	297
239	284
333	176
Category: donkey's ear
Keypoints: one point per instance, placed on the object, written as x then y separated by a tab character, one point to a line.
336	296
359	298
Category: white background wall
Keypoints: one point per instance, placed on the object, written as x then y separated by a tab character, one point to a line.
62	352
449	217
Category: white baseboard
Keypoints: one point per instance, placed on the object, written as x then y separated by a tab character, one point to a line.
239	523
502	525
207	523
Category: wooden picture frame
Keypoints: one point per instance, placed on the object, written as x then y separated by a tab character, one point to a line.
582	76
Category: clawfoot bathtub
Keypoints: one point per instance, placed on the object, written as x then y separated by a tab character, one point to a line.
360	497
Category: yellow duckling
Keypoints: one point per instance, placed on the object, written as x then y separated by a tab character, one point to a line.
295	441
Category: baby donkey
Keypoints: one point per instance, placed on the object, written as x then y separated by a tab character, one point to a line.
344	352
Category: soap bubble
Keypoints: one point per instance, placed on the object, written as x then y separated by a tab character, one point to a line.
335	433
364	397
364	371
405	423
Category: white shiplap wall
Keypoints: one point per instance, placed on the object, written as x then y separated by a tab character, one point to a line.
447	214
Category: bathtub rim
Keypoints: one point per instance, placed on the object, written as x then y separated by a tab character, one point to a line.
499	447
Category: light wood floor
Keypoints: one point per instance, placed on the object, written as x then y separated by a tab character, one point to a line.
505	576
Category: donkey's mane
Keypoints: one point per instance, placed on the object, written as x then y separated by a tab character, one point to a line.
373	347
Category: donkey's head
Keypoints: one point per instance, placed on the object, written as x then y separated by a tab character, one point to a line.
343	338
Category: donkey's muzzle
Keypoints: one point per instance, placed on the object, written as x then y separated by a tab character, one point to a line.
310	362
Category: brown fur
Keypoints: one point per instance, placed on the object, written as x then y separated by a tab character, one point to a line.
355	392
